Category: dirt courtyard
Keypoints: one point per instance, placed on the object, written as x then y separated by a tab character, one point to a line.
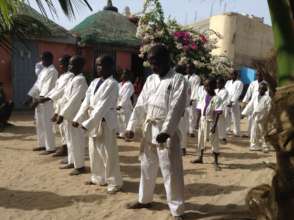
33	186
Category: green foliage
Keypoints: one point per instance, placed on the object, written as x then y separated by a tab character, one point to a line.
185	44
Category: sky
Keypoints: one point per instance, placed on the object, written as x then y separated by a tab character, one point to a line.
184	11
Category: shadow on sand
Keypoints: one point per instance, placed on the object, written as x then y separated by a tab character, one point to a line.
30	200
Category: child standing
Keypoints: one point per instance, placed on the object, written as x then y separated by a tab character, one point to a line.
210	108
223	94
259	108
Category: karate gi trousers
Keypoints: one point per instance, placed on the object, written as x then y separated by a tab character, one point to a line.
257	139
250	121
234	116
76	142
192	112
123	119
44	125
104	159
171	165
62	134
221	127
184	127
205	136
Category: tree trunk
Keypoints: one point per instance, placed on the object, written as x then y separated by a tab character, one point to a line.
276	202
282	24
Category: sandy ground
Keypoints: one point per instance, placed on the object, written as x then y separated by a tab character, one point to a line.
32	186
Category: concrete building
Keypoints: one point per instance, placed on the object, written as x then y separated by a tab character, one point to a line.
244	38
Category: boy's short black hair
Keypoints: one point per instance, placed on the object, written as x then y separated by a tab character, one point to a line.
212	82
221	79
47	55
160	50
107	60
180	69
264	83
64	60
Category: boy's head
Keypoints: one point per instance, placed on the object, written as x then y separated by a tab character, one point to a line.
220	82
76	64
234	74
262	88
47	58
190	68
63	63
181	69
159	59
125	76
210	85
104	66
259	76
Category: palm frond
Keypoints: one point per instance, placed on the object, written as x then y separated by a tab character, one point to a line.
11	23
22	27
69	7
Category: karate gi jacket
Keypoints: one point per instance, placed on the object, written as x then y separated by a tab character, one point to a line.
160	105
99	105
235	89
209	108
252	91
259	107
224	96
57	92
45	82
194	82
74	94
126	90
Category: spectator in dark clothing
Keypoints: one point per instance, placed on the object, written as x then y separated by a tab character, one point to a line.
6	107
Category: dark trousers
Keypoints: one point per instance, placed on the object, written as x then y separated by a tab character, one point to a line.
5	112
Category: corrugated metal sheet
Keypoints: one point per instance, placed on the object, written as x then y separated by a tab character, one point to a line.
24	58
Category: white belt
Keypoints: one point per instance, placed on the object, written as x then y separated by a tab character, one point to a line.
149	136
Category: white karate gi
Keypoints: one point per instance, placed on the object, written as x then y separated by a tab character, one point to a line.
184	122
74	94
56	94
235	89
44	112
194	82
126	90
101	123
258	107
159	108
221	125
252	91
200	93
38	68
208	109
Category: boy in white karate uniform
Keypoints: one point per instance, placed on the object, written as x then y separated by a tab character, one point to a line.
124	104
252	91
259	107
55	95
224	95
210	108
44	111
70	103
235	87
98	117
194	82
159	109
184	122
